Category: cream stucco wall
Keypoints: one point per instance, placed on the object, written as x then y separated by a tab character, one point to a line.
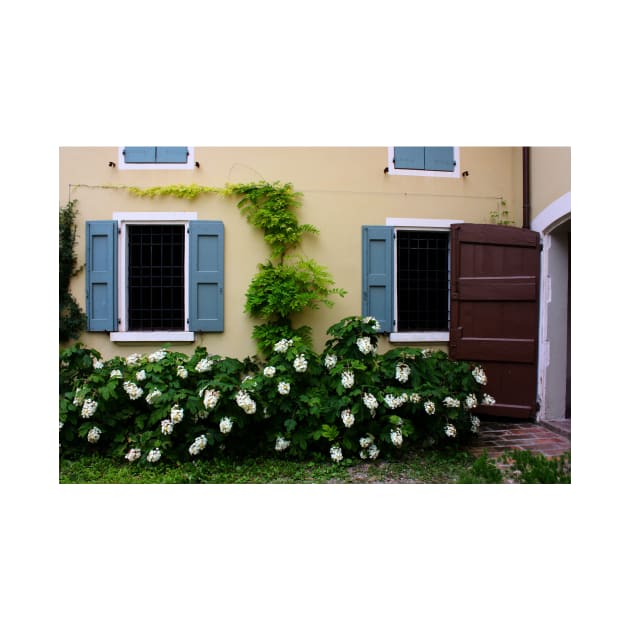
343	187
550	176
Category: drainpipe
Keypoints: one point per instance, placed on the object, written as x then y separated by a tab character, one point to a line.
526	201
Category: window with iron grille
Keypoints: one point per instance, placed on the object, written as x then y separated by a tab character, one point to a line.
422	281
155	280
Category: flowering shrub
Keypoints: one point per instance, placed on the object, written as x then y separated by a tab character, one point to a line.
347	402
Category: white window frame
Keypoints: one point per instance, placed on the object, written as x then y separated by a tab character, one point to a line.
190	163
392	170
125	219
424	225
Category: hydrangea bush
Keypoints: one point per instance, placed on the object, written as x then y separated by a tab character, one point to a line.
347	402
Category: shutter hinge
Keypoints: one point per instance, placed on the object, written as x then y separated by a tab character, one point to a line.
119	230
541	247
188	320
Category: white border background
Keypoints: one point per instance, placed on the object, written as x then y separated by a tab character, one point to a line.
367	556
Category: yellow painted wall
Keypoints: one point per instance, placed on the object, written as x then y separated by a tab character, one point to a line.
344	188
550	176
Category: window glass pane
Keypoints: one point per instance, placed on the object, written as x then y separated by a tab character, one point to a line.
422	281
155	281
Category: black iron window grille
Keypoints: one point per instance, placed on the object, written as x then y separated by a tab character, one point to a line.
422	281
155	281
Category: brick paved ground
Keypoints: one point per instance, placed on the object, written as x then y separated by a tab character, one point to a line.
497	437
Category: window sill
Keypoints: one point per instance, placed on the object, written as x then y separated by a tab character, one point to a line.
407	337
159	335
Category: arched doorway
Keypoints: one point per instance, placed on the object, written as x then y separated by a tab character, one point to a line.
554	364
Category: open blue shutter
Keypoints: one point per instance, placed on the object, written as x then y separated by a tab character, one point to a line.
171	155
100	264
378	275
439	159
409	157
139	155
206	245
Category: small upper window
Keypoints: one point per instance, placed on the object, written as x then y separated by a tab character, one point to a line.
156	158
424	161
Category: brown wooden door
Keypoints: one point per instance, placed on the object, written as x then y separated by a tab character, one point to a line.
494	311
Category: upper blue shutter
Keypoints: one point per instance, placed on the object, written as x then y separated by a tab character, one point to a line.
378	275
409	157
439	159
425	158
101	281
171	155
206	246
139	155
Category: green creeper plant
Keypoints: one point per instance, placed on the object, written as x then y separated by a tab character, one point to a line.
71	316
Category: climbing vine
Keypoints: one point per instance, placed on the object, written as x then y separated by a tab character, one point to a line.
286	284
71	317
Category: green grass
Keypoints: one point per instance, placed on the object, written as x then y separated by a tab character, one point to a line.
426	467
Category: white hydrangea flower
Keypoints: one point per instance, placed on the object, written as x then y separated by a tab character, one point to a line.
347	379
429	407
372	320
300	364
450	430
154	455
474	424
402	372
167	426
133	454
283	345
204	365
451	402
177	414
471	401
480	376
182	372
284	388
365	345
330	360
134	392
133	359
198	445
153	396
365	442
94	435
141	375
156	356
363	454
211	398
336	453
269	371
426	353
369	400
488	400
89	407
396	437
245	402
373	451
281	443
225	426
393	402
78	397
97	364
347	417
415	398
115	374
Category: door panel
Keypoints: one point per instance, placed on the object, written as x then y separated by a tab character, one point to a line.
494	311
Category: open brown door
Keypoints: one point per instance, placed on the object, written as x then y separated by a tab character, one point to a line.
494	311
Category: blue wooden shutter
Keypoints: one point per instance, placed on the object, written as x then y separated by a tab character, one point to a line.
409	157
439	159
101	280
139	155
378	275
206	246
171	155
